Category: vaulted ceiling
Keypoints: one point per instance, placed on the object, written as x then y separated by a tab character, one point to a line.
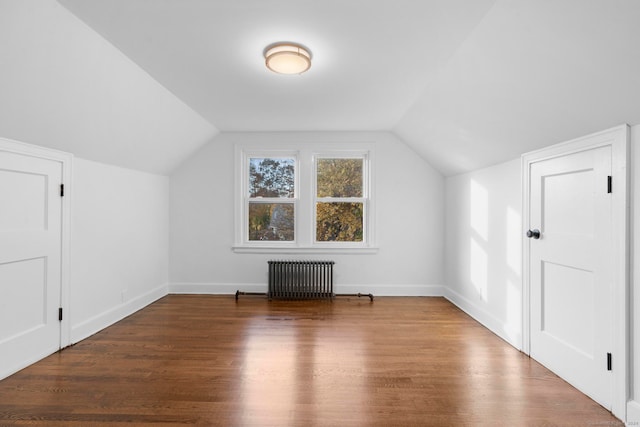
371	59
465	83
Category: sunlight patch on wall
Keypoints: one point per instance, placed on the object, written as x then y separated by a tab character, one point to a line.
514	241
479	210
513	324
478	268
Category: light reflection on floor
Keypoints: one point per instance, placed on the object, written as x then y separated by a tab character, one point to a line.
293	364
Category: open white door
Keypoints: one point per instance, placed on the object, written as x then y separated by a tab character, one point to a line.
575	263
31	248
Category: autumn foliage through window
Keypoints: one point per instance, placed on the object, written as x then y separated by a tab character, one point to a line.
339	200
303	198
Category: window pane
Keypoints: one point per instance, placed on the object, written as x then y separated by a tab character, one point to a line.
271	177
339	177
271	221
339	222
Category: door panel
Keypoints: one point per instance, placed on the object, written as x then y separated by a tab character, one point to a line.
30	259
567	289
569	189
25	282
571	269
24	197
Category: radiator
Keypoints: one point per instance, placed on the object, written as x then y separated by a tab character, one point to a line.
300	280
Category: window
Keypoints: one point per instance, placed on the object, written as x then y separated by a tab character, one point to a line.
300	199
271	199
339	200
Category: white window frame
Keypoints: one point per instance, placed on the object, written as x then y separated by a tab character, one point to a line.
305	197
244	227
345	154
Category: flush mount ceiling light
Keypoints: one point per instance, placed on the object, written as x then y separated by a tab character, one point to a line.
287	58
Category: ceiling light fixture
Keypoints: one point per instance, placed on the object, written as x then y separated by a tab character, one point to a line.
287	58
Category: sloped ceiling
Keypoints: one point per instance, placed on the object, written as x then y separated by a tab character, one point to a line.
465	83
531	74
63	86
371	58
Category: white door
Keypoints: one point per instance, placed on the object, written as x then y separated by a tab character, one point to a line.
30	259
571	269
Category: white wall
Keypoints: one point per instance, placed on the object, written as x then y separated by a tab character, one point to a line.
63	86
483	247
499	306
409	197
119	244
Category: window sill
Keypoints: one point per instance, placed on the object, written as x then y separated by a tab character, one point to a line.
303	250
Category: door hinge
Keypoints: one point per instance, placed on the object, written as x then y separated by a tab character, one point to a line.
609	184
609	363
61	190
60	314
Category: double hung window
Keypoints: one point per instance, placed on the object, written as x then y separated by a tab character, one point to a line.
340	199
271	199
304	198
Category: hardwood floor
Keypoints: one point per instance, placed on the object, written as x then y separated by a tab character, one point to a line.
208	360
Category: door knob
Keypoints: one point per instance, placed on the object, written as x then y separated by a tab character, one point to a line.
535	233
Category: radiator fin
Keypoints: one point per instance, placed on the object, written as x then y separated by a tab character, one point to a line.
296	279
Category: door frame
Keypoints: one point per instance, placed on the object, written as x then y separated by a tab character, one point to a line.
618	139
66	161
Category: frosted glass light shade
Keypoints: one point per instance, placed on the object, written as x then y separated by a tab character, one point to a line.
287	58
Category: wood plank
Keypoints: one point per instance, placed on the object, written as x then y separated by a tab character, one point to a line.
208	360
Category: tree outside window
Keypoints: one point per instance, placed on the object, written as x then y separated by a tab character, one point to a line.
269	216
339	200
304	198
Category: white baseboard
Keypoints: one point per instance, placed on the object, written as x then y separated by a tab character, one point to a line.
215	288
396	290
633	413
107	318
488	320
376	290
